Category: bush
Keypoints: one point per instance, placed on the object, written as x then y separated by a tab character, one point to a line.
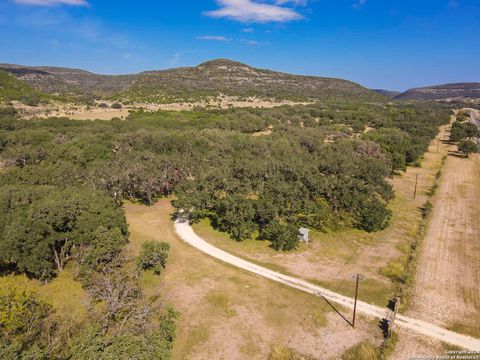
116	105
22	316
427	209
395	270
283	236
374	216
153	256
467	147
103	105
30	100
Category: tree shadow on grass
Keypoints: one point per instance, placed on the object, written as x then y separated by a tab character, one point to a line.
457	154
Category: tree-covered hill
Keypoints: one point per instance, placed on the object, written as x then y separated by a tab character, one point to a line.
456	91
190	83
14	89
387	93
237	79
68	81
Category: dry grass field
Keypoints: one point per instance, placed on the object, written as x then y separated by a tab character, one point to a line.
231	314
448	274
446	288
83	112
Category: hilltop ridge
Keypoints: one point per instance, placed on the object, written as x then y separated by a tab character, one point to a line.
454	91
210	78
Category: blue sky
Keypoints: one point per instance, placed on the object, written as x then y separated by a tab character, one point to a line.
378	43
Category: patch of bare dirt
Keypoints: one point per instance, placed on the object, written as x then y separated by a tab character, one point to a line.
83	112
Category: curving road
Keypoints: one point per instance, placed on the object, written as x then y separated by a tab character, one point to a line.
186	233
474	118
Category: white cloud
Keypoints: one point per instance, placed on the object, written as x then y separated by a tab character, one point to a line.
250	11
248	30
453	3
213	38
52	2
176	58
293	2
249	42
359	4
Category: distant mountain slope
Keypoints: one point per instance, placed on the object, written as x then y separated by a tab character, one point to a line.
237	79
14	89
64	80
441	92
209	78
387	93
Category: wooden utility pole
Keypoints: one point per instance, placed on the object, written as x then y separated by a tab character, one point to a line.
416	183
357	277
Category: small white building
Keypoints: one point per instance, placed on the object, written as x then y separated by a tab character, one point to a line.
303	235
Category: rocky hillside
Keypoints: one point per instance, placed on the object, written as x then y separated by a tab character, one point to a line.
237	79
207	79
64	80
457	91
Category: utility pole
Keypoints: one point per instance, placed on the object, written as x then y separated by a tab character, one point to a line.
357	278
416	183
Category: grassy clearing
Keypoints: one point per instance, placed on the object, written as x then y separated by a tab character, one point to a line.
221	302
226	312
65	294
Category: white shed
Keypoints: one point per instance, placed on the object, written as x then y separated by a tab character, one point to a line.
303	235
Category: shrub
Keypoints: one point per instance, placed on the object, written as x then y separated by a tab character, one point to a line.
395	270
116	105
102	105
283	236
362	351
374	216
153	256
427	209
30	100
467	147
21	313
284	353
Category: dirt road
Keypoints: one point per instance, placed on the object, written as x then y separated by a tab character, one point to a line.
185	231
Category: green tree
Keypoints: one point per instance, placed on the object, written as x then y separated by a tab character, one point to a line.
282	236
153	256
467	147
43	228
